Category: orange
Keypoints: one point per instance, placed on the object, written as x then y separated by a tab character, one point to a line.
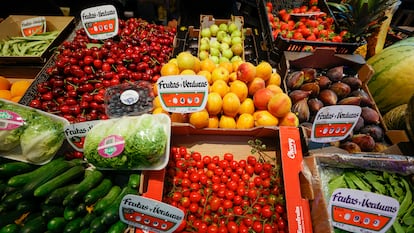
245	121
240	89
213	122
264	70
185	60
227	122
155	88
187	71
169	69
231	104
220	86
159	110
206	74
199	119
156	103
16	99
173	60
179	117
18	88
4	83
197	64
227	65
214	103
232	76
5	94
207	65
247	106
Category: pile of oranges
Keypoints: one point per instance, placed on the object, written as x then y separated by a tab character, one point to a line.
13	91
230	102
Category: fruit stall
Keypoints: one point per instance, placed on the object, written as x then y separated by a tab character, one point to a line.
285	116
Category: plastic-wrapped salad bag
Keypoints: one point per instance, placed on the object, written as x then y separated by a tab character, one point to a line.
130	142
28	134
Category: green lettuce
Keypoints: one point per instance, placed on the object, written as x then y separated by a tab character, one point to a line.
145	140
41	139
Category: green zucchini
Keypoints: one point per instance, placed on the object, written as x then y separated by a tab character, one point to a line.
36	225
134	180
118	227
10	228
50	211
70	213
58	181
98	192
104	202
15	168
97	226
92	178
58	195
111	214
56	224
87	219
73	226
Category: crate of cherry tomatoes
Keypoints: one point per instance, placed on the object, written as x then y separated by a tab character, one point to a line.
314	80
301	26
238	181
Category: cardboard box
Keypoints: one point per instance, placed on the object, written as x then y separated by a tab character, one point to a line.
284	143
11	27
317	161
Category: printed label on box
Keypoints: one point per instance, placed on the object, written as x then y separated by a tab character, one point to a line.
10	120
183	93
359	211
33	26
100	22
334	123
76	133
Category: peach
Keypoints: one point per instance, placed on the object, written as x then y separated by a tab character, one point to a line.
274	88
290	119
246	72
255	84
264	118
279	105
261	98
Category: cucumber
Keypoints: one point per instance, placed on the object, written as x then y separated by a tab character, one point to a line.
98	192
134	180
70	213
56	224
73	226
97	226
15	168
10	228
111	214
37	224
50	211
87	219
118	227
104	202
58	195
58	181
92	178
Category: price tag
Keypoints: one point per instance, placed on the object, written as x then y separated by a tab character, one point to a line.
183	93
76	133
100	22
359	211
33	26
334	123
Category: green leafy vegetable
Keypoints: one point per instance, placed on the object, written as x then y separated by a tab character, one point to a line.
41	139
145	139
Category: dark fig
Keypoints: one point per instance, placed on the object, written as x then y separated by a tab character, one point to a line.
301	109
341	89
309	74
364	141
353	100
365	98
359	124
370	115
323	82
351	147
313	87
375	131
335	74
294	80
314	105
354	82
328	97
298	95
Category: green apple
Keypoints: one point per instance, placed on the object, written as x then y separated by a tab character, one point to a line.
214	44
226	39
223	27
223	59
227	53
220	35
237	49
204	40
232	27
204	46
205	32
224	46
236	33
236	40
236	58
203	55
214	29
215	59
214	52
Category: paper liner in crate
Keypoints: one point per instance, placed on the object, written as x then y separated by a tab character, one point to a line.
29	135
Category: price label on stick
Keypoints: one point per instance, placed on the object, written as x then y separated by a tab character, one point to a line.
334	123
33	26
100	22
